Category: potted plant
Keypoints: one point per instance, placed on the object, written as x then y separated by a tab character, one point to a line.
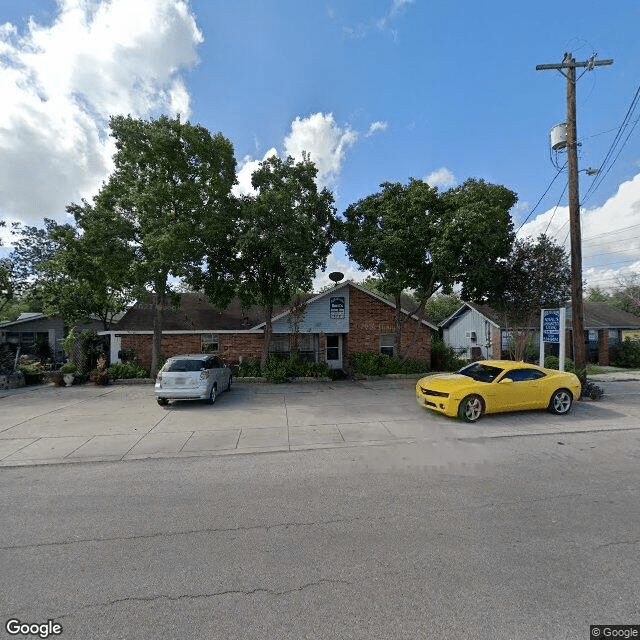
68	371
100	375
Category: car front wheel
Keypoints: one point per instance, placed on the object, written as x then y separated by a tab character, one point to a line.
470	408
560	402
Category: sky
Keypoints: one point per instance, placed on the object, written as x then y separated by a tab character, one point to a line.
374	90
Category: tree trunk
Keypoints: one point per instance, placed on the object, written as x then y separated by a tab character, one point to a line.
397	340
267	336
419	312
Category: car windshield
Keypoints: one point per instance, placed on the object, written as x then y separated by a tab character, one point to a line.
184	365
481	372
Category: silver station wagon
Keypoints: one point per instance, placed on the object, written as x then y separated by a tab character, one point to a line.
192	377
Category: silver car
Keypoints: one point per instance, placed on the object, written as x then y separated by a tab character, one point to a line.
192	377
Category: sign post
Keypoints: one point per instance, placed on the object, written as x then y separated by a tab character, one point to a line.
552	329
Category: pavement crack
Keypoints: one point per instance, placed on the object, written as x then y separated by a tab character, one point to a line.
167	534
617	543
201	596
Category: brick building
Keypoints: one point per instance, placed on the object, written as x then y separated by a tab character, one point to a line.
328	328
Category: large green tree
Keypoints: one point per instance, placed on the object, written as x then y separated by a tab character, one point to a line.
286	232
169	191
536	275
414	238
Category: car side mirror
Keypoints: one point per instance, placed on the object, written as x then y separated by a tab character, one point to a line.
506	381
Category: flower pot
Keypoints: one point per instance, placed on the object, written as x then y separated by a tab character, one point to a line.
68	378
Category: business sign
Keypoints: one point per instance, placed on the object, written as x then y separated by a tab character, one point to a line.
336	308
552	330
551	325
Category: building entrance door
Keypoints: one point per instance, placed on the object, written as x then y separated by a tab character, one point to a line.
334	350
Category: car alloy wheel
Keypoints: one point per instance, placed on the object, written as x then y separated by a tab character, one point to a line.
560	402
470	408
212	396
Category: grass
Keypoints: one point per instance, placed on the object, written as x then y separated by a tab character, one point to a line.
593	369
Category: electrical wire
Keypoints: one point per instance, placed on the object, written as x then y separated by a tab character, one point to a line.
541	198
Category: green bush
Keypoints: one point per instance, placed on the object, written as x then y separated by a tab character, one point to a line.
369	363
553	362
626	354
444	357
32	370
68	367
126	371
279	369
249	369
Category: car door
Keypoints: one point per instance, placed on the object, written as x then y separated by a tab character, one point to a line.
220	373
525	389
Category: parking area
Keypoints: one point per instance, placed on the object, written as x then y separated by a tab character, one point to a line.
48	424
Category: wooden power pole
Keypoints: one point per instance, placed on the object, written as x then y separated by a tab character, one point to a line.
577	308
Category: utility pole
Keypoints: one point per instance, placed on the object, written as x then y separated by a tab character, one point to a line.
577	308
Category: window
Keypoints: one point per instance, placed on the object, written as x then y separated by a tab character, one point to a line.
209	342
522	375
386	343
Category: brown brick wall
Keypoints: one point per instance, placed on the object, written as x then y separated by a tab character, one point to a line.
231	346
368	318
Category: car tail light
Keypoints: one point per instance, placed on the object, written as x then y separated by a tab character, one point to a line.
159	376
204	375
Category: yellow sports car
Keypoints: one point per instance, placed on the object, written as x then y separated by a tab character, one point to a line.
492	386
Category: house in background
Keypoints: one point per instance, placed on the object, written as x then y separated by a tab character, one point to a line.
30	330
329	327
479	330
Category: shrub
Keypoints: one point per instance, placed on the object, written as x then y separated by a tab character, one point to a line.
444	357
126	371
626	354
368	363
32	370
553	362
249	369
68	367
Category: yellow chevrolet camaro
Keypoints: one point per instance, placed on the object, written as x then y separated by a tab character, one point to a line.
492	386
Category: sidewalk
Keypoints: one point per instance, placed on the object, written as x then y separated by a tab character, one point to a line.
50	425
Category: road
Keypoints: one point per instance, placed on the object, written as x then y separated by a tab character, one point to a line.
534	536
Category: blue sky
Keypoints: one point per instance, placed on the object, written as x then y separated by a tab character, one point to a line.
381	90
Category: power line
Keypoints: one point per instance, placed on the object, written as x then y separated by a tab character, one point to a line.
541	197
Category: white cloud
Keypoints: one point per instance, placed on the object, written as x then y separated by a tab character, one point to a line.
247	166
610	234
60	83
324	141
377	126
441	178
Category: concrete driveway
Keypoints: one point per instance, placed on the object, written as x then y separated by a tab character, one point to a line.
48	424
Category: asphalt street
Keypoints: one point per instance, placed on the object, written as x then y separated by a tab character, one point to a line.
410	525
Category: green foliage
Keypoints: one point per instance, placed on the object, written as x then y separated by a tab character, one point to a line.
553	362
627	354
444	357
68	367
32	369
413	238
626	296
441	306
126	371
278	369
249	369
537	275
368	363
168	200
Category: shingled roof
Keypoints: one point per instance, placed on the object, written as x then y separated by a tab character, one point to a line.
195	313
597	315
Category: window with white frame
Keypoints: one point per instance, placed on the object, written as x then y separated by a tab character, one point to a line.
209	342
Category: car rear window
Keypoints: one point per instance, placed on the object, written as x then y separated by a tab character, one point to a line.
184	365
